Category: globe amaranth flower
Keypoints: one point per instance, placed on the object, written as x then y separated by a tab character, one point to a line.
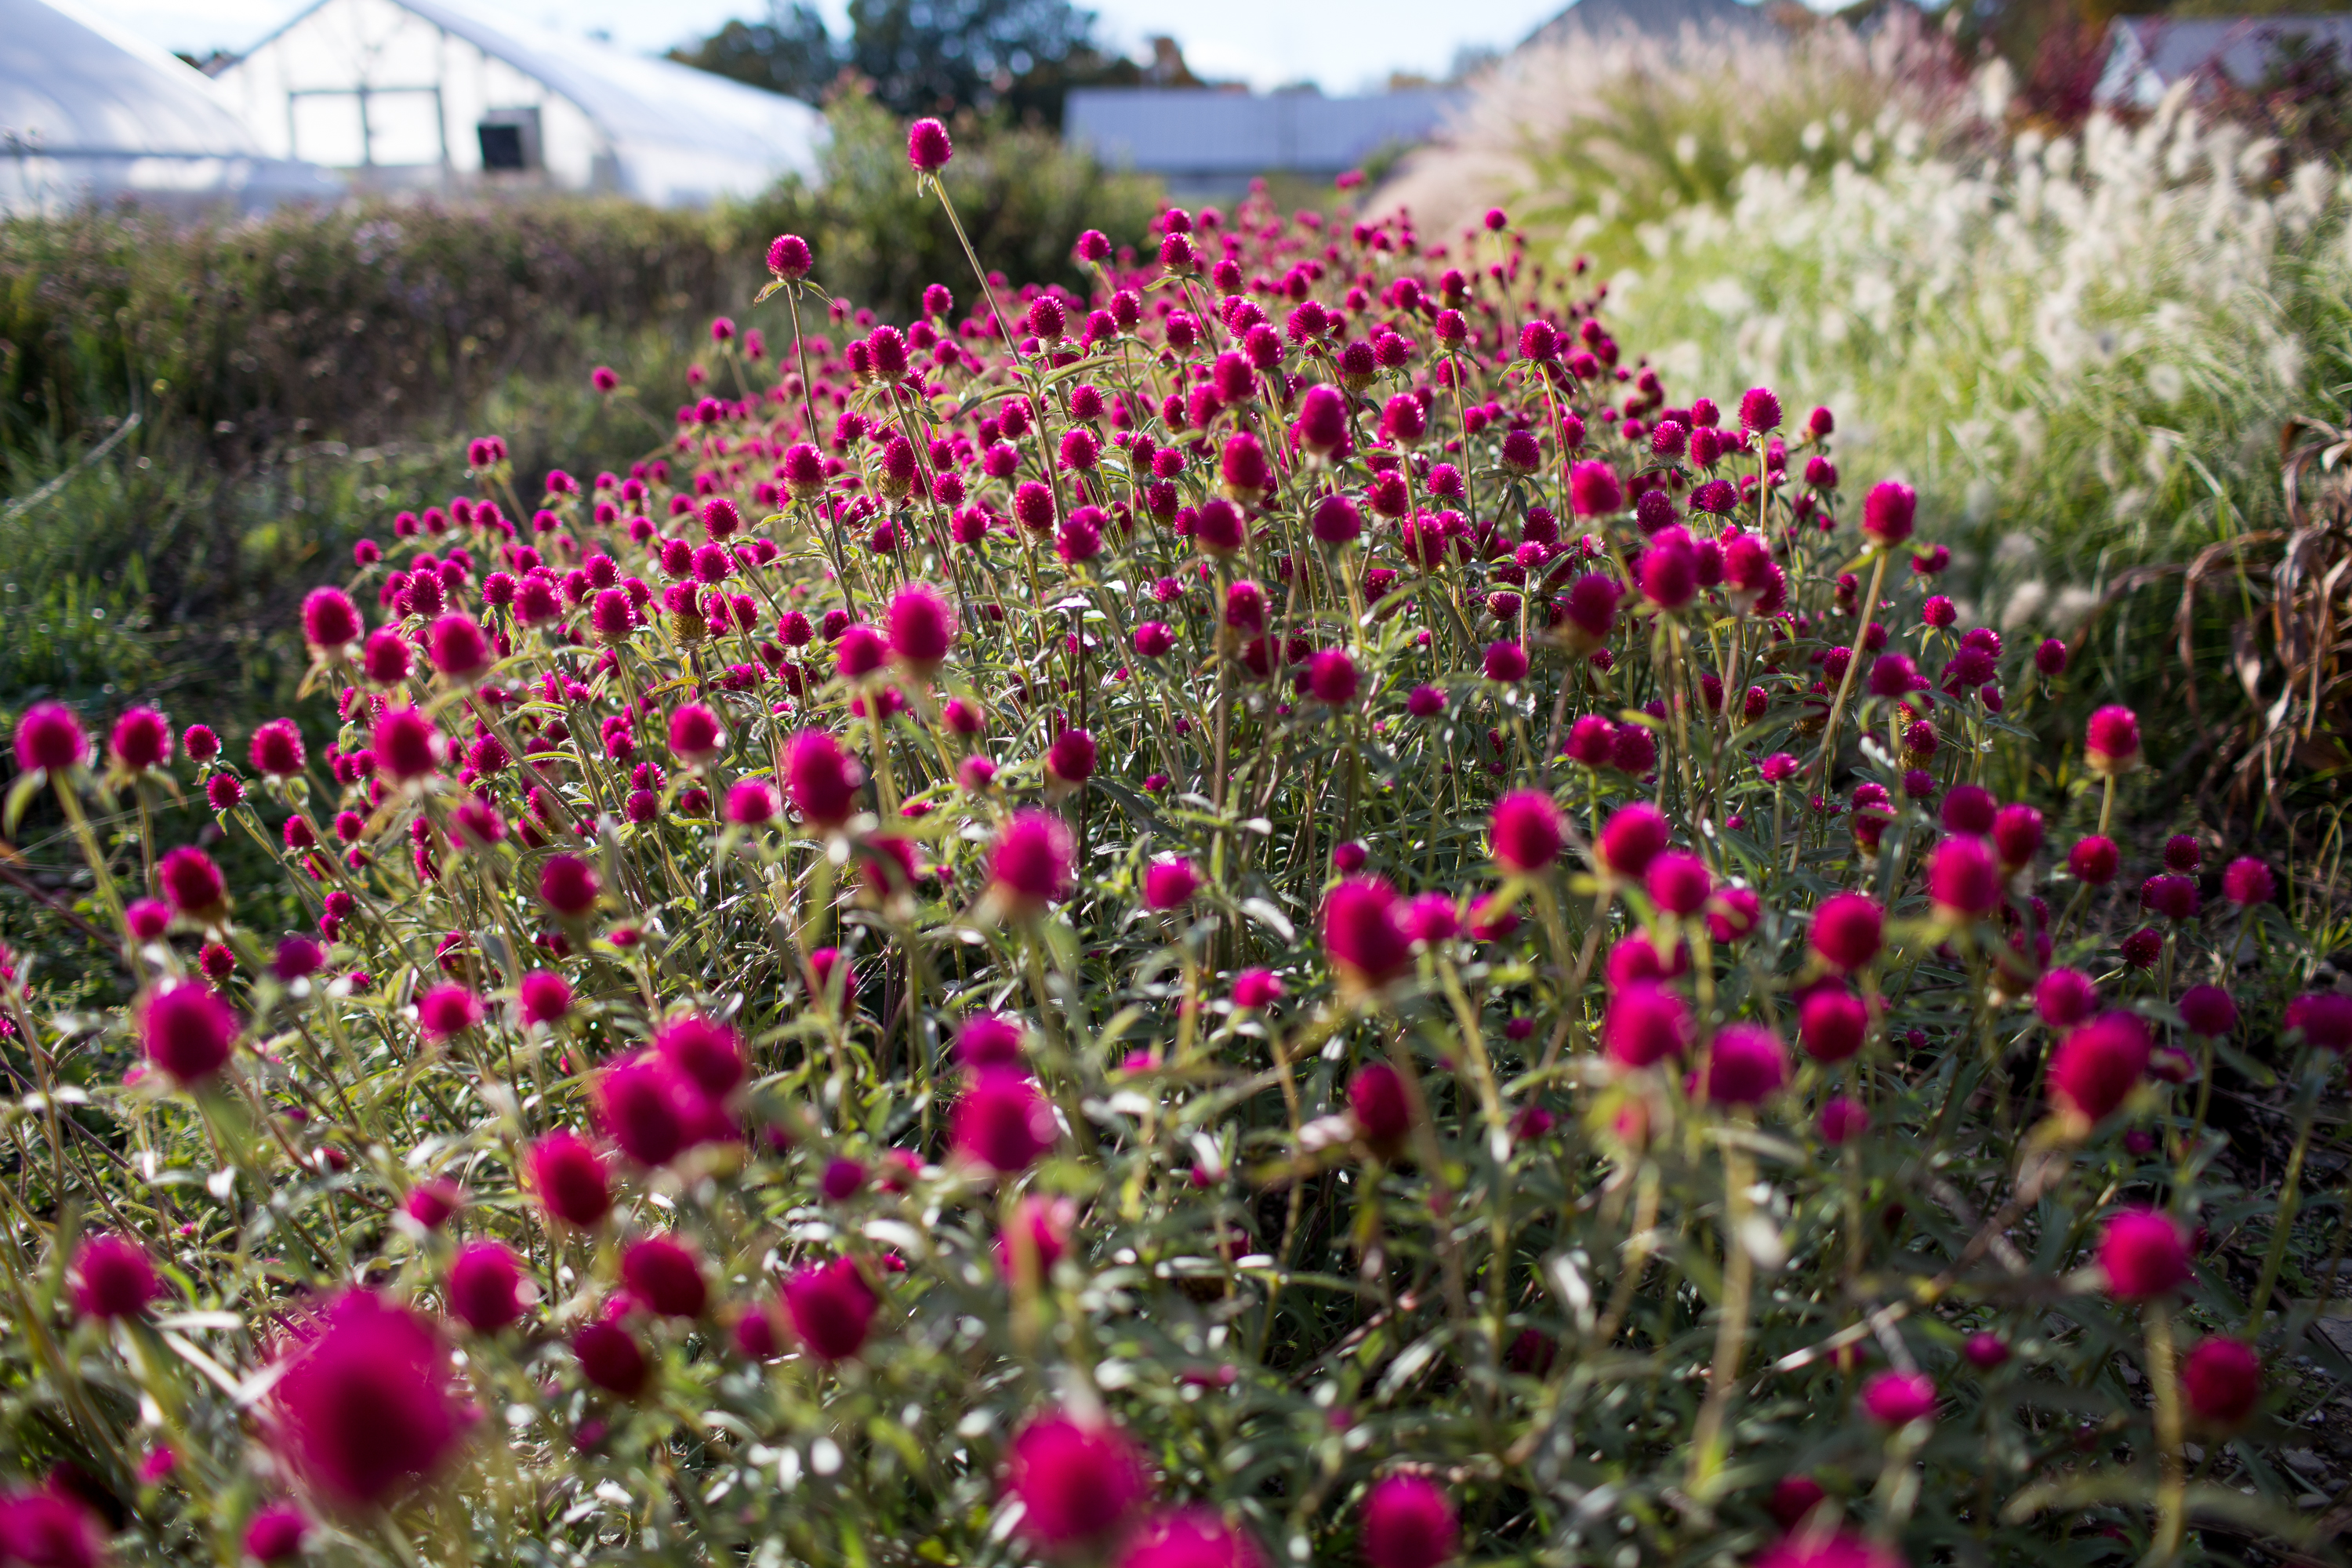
458	648
49	738
365	1405
2065	997
1190	1537
1678	883
1170	883
922	628
1847	930
789	258
277	1533
408	746
544	996
1331	677
651	1109
485	1285
1746	1065
695	737
831	1309
821	780
192	884
444	1011
611	1358
2111	740
1899	1398
1832	1023
569	885
665	1276
2324	1019
708	1053
2016	835
1409	1522
2097	1065
278	749
1524	833
1733	913
51	1527
141	740
988	1040
1002	1122
1070	760
751	803
2174	897
1963	879
1837	1550
187	1031
565	1173
1382	1107
1032	864
2209	1010
112	1278
1077	1482
1363	933
1887	512
2221	1379
1634	835
928	146
1842	1120
1594	489
2144	1252
2094	860
1645	1023
431	1201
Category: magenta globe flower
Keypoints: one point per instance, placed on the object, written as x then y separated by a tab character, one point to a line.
365	1405
1409	1522
1077	1482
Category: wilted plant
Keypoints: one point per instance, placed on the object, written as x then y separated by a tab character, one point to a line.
1285	913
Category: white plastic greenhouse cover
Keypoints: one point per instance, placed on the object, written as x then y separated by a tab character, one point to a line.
90	111
664	133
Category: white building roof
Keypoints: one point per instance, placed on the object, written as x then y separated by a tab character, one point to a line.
88	110
661	130
2147	55
1206	134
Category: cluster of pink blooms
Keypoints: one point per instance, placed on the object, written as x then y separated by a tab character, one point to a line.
1310	629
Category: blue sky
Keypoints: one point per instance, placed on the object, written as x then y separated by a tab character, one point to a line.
1344	44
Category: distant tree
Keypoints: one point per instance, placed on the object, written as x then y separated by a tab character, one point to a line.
791	52
1016	58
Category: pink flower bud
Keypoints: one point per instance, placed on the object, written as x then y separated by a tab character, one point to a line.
1899	1398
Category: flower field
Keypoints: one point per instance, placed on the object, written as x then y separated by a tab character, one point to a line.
1291	911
